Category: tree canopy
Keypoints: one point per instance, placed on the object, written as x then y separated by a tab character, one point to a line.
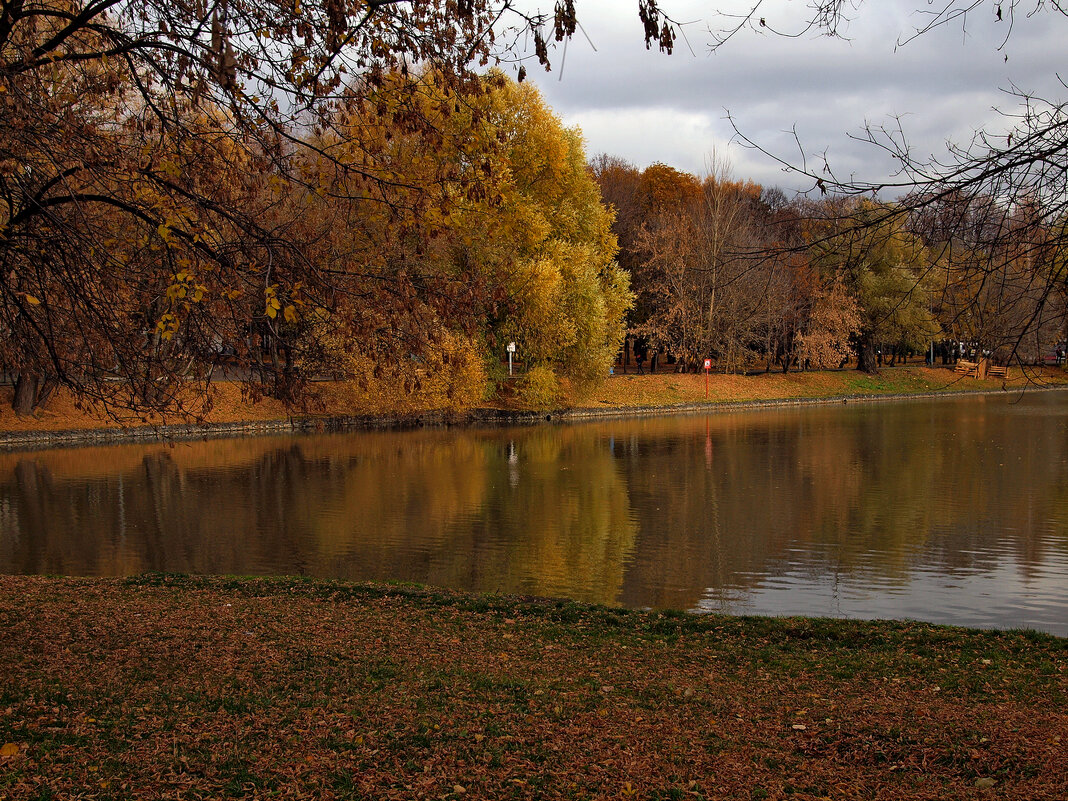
302	186
161	163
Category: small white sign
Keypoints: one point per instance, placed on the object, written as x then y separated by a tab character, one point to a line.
708	364
511	347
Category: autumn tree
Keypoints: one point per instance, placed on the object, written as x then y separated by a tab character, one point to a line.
833	322
619	182
885	268
111	116
999	274
117	273
707	283
437	286
566	297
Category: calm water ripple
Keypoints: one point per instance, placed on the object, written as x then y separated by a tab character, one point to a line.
951	510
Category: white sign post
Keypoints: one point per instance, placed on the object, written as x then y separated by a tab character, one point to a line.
511	350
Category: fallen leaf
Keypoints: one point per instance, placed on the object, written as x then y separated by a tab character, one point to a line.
9	750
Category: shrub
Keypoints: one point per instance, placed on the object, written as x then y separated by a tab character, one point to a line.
539	388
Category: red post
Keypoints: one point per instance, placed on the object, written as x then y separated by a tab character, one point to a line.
708	366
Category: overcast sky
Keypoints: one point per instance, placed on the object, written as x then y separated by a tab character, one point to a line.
645	106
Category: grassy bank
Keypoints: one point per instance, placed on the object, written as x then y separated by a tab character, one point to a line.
666	389
167	687
340	400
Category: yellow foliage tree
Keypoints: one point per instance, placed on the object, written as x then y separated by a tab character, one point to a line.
524	253
569	296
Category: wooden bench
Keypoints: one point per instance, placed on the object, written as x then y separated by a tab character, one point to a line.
980	369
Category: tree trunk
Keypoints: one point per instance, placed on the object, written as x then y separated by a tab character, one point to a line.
867	361
25	400
45	389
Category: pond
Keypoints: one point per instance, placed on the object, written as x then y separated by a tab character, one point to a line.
948	510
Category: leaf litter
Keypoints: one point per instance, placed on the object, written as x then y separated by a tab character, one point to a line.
173	687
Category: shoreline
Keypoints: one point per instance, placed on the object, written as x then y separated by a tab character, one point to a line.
37	439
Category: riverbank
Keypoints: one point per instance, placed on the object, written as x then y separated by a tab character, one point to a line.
338	406
172	687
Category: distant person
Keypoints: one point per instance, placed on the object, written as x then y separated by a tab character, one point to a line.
639	357
652	362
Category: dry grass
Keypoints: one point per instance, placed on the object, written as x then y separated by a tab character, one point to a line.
665	389
342	399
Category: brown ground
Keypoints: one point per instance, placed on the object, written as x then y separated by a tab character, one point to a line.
662	389
212	688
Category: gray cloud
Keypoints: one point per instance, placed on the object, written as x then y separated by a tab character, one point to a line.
645	106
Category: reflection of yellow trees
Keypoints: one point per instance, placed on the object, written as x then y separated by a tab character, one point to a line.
538	511
567	511
541	511
645	512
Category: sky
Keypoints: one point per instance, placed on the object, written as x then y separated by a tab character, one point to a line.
646	107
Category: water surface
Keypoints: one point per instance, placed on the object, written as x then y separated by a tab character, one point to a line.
952	510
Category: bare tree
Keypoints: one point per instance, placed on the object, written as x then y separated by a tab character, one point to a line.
994	208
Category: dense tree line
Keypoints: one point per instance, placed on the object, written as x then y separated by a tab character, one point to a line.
341	189
729	270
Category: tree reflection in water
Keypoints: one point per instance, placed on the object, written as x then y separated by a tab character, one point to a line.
856	510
